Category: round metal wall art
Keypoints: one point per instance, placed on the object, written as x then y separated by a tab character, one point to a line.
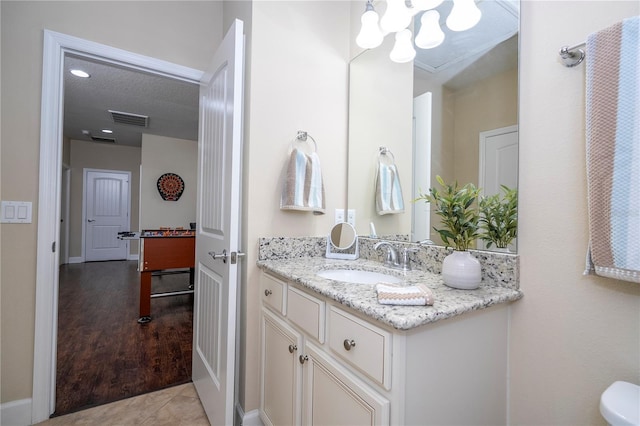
170	186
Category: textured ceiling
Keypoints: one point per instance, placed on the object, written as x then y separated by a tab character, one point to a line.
499	22
172	105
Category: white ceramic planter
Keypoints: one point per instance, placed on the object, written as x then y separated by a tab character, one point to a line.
461	270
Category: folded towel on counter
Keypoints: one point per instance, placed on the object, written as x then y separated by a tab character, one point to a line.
303	188
392	294
388	190
613	150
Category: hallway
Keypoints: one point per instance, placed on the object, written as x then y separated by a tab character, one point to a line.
104	355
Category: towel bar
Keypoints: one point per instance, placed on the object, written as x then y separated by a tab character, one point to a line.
572	56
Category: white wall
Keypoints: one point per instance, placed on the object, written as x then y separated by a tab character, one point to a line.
185	33
380	114
162	155
83	154
298	81
571	335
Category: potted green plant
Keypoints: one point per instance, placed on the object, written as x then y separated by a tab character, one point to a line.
459	215
499	218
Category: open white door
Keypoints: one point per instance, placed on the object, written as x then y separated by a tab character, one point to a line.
218	228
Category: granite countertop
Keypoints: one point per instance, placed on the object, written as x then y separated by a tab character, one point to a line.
449	302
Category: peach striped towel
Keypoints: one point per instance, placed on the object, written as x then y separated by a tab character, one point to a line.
392	294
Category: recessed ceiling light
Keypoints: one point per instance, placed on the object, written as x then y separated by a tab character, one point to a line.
80	73
107	131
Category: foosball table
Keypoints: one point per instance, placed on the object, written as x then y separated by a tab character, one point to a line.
162	250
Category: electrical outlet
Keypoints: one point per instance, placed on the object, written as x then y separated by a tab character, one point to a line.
339	216
351	217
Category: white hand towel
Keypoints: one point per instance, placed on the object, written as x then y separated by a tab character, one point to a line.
391	294
388	190
303	188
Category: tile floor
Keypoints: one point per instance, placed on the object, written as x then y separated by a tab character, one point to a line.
178	405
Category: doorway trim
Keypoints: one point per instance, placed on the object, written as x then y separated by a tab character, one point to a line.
56	46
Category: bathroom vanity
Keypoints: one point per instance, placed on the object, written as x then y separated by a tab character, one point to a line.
331	354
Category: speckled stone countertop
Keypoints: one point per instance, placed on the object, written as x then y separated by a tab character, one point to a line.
449	302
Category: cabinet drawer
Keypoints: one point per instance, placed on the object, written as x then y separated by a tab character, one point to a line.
273	292
363	345
307	312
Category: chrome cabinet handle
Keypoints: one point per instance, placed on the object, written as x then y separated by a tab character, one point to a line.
303	359
268	292
292	348
348	344
222	255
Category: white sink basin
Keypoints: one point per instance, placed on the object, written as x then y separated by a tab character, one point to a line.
358	277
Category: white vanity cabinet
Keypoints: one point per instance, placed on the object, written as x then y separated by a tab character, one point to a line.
300	382
324	363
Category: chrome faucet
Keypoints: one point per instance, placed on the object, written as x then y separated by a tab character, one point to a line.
392	260
391	255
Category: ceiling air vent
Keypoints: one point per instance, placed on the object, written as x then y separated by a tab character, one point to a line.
129	118
101	139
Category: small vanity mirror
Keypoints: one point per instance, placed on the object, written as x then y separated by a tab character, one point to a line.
342	242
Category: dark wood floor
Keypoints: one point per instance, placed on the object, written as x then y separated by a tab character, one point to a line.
103	353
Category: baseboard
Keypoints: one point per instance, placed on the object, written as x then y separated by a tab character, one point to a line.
80	259
16	413
252	418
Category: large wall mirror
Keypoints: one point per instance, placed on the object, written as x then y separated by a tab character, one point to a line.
452	112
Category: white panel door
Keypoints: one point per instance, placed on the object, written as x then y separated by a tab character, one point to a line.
498	163
106	214
498	159
218	228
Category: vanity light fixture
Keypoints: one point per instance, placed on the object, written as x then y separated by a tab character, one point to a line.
397	18
430	34
80	73
464	15
403	50
370	35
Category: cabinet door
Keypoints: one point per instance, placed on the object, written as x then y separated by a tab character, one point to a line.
333	396
280	372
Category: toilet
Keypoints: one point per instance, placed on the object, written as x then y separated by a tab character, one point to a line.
620	404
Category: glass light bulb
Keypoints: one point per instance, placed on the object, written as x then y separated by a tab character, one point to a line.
370	35
430	34
425	4
464	15
396	18
403	50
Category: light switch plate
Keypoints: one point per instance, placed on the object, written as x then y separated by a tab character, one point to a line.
16	212
351	217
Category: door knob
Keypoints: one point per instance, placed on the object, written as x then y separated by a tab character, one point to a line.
222	255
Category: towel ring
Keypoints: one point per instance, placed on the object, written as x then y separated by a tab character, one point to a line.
384	151
303	136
